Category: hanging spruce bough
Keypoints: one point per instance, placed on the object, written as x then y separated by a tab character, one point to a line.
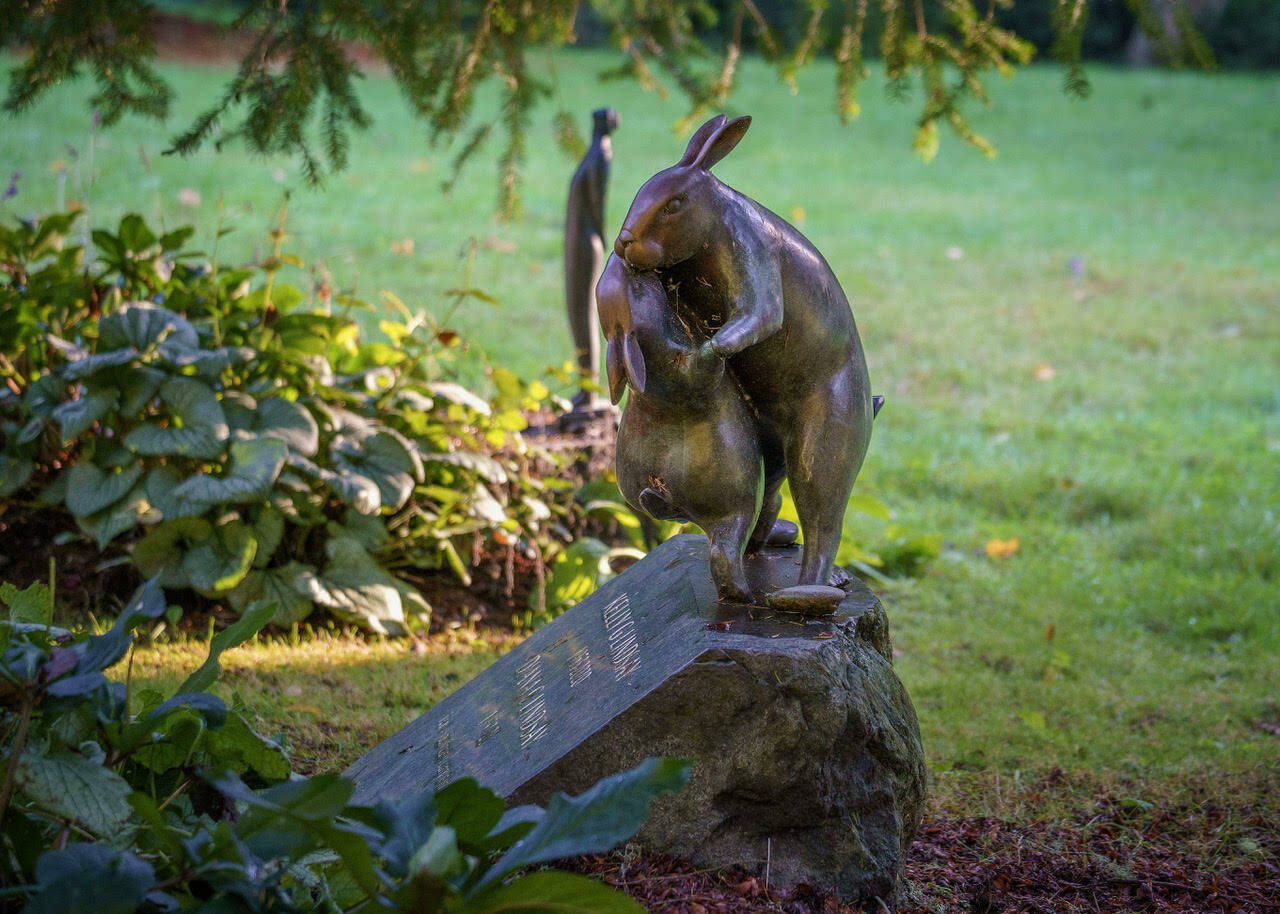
294	87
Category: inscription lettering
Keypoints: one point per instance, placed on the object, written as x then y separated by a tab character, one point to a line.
624	650
444	753
490	724
533	705
579	667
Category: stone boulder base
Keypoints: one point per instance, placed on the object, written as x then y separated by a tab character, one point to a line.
808	752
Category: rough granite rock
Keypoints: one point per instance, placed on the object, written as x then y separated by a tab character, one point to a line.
809	757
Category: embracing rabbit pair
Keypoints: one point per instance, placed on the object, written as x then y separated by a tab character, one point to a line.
756	293
687	442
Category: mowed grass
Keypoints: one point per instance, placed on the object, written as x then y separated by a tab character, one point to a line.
1079	343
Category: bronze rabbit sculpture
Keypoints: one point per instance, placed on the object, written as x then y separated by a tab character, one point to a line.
761	296
687	442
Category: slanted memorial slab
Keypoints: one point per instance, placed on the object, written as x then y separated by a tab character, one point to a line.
808	751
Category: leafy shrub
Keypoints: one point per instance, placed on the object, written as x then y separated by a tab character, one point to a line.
245	440
116	803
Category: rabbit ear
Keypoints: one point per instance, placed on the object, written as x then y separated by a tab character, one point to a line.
635	362
722	142
624	363
700	137
613	363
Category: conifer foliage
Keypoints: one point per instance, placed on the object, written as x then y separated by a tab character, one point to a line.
294	90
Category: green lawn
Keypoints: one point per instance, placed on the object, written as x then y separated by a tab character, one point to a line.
1080	346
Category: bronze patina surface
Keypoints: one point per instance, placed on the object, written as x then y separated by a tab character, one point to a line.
751	289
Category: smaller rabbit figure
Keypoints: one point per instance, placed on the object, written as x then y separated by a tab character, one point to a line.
687	442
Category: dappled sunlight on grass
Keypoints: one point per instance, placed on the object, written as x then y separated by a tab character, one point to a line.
1078	346
332	698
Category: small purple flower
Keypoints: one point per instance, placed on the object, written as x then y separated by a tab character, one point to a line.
12	189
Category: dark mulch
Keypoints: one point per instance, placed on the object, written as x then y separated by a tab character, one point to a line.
1194	855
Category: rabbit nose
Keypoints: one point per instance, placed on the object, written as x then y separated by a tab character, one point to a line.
620	246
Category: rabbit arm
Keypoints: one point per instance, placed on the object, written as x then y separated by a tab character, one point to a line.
757	315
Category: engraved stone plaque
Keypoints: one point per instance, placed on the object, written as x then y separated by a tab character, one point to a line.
574	676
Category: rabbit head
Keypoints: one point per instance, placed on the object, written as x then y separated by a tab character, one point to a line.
676	211
616	292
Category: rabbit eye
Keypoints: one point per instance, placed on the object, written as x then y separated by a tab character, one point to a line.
672	205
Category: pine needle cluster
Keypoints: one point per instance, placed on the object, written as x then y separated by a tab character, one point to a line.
294	90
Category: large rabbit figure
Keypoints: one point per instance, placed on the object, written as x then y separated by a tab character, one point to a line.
687	442
762	297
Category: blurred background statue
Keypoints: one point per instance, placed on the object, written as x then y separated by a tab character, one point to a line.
584	249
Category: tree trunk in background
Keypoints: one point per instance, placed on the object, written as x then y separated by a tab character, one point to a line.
1141	51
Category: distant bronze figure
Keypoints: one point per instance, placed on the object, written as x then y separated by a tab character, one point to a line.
584	248
688	448
755	292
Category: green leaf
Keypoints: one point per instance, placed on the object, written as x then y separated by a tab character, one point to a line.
551	892
575	574
31	431
134	234
171	740
15	472
371	531
390	461
611	811
221	562
358	491
124	515
868	505
255	617
105	650
191	552
239	409
237	746
138	387
90	490
355	588
141	324
291	422
282	821
438	856
70	786
159	554
88	365
33	604
212	362
90	879
483	464
199	427
76	416
276	585
470	810
255	464
160	485
268	530
508	384
456	393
